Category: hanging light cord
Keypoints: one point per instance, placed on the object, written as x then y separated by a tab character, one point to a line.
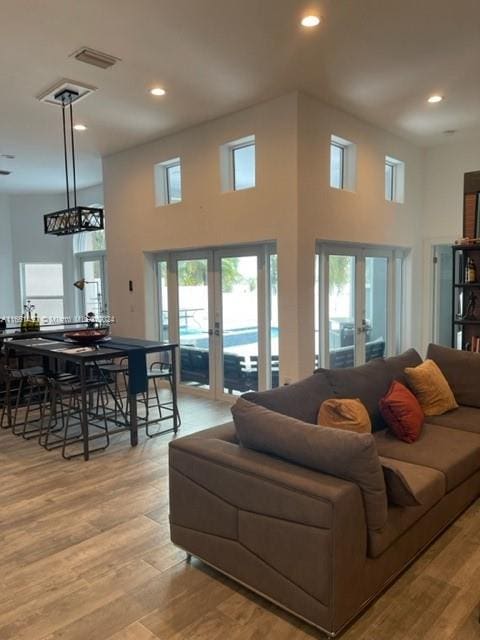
74	172
65	151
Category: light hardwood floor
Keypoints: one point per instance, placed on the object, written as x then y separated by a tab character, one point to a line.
85	555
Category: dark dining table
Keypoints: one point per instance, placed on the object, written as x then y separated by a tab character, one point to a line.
55	349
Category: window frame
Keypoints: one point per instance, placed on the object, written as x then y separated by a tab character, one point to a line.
24	296
390	188
227	163
348	164
337	145
168	189
162	182
397	186
233	151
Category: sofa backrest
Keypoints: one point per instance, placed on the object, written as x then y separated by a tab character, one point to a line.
462	371
300	400
369	382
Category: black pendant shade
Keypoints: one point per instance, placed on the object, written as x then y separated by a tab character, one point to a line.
77	218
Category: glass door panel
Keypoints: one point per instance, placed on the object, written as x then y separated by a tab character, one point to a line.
374	322
194	322
93	294
274	352
162	279
341	310
239	323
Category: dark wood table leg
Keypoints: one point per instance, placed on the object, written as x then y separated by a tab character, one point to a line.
84	411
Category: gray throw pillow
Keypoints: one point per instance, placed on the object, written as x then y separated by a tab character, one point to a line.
344	454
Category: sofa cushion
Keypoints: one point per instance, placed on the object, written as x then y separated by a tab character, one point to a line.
429	485
462	371
396	365
345	413
344	454
453	452
300	400
402	412
431	388
408	485
463	418
369	383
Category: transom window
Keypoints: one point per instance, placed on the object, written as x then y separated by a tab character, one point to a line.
168	182
343	160
238	164
394	179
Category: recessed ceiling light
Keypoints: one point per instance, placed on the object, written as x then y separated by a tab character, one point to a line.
435	98
310	21
157	91
79	127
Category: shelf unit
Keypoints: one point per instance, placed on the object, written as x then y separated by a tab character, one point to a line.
465	329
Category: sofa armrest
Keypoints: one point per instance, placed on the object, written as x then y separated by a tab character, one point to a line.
301	526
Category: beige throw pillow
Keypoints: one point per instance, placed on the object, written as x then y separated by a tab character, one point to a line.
431	388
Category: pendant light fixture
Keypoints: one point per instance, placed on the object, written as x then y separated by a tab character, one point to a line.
75	218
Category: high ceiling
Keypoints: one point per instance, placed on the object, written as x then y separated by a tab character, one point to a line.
377	59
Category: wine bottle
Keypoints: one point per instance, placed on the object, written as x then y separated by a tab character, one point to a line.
23	326
470	272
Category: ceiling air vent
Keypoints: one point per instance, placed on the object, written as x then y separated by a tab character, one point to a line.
51	95
95	58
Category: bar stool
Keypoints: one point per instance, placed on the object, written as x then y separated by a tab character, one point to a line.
117	372
66	402
15	387
159	371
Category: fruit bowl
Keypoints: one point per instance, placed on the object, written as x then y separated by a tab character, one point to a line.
87	336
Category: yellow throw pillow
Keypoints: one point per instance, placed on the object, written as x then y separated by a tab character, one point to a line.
431	388
349	414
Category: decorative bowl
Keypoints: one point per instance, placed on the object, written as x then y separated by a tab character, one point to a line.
86	336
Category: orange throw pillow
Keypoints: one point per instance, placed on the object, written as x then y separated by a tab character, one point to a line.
431	388
402	412
349	414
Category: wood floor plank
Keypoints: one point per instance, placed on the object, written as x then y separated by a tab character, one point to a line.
86	555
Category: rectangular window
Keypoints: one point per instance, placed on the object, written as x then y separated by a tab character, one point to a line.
174	183
168	182
389	181
343	163
238	164
336	165
394	180
243	159
42	285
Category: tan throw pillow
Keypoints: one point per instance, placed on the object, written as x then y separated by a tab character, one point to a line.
347	413
431	388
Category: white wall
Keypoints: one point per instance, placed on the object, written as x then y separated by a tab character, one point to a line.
442	223
7	307
292	204
30	244
206	216
362	216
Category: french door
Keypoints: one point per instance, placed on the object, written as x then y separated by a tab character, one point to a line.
359	304
220	304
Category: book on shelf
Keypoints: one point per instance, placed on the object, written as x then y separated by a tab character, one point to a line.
475	344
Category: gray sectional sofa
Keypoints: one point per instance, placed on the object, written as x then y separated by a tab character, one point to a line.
301	537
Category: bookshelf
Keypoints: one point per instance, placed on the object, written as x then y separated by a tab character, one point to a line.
466	299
